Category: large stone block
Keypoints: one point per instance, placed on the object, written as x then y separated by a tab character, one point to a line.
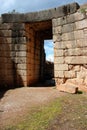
60	67
59	74
70	88
58	52
20	47
69	74
19	40
79	34
57	38
42	15
58	60
54	23
20	60
78	16
22	72
21	66
68	28
68	36
76	52
6	33
57	30
80	43
65	44
21	54
76	60
81	24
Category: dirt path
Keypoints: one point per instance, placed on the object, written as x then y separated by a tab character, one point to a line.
15	103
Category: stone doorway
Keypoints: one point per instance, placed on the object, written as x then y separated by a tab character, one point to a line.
36	33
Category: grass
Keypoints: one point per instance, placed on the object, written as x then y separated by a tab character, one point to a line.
69	110
39	118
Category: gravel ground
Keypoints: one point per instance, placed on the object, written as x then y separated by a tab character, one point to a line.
15	103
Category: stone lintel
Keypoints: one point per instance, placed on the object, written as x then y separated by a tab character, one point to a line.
41	15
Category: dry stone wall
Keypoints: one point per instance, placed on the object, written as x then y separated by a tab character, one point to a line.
70	49
12	55
22	55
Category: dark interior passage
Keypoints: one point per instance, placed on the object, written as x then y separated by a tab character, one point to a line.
36	33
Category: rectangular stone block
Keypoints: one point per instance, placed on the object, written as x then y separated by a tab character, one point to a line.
58	60
59	45
20	60
81	24
21	66
79	34
68	36
57	30
60	67
68	28
5	26
54	22
6	33
21	54
22	72
76	60
57	38
59	74
18	33
76	52
78	16
69	88
80	43
69	74
22	47
19	40
58	52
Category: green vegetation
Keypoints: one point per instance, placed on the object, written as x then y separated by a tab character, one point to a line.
69	110
39	118
83	10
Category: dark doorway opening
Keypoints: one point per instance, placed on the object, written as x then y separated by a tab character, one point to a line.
36	33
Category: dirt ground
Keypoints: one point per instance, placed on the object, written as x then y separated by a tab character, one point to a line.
15	103
74	113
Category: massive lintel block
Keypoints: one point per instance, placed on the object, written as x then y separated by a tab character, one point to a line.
42	15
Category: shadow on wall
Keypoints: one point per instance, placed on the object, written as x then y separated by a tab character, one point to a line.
9	77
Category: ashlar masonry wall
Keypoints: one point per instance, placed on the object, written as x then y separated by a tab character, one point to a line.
12	55
70	49
21	46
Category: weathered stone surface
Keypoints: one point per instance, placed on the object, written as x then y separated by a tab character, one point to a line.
19	40
69	74
76	60
79	34
61	67
59	60
57	30
69	88
76	52
58	52
20	47
59	81
81	24
59	74
42	15
68	36
68	28
21	54
67	44
57	38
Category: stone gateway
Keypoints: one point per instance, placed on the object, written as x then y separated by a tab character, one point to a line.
22	55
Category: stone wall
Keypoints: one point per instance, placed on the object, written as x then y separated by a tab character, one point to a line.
12	55
22	55
49	70
70	49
